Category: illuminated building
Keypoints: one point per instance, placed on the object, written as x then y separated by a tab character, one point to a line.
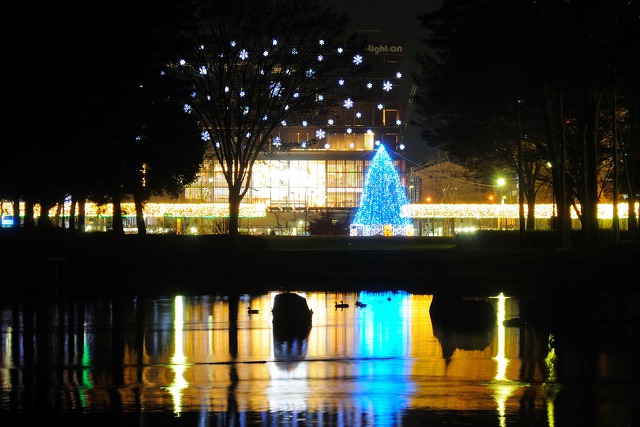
313	171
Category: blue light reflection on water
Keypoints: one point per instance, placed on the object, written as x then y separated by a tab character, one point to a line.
382	327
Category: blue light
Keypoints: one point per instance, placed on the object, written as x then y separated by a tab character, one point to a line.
383	351
382	199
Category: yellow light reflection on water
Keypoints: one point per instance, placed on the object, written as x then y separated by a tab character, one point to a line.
178	359
500	358
6	358
550	384
502	386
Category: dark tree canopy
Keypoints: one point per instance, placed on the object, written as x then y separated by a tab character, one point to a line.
502	75
88	93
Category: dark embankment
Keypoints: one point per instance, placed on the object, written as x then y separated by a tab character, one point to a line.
104	264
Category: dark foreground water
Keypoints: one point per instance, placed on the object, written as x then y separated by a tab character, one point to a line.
204	361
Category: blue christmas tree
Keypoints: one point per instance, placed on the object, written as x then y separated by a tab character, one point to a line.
382	199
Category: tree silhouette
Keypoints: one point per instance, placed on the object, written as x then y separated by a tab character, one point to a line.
383	196
560	78
255	66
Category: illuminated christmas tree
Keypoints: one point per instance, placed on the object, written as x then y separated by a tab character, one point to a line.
382	199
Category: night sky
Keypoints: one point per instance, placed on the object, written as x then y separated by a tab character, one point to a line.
397	23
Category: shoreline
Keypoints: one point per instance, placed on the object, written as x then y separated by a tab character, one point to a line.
152	264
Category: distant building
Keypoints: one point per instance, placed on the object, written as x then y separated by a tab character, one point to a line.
446	182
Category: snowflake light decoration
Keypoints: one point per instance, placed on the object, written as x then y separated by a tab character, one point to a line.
348	103
387	86
357	60
320	134
243	54
275	89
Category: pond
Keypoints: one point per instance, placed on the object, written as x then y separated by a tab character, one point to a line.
206	360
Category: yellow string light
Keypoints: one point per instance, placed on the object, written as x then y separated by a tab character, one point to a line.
415	210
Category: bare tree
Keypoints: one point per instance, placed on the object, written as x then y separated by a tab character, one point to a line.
257	66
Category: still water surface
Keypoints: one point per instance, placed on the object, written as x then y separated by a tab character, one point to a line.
205	361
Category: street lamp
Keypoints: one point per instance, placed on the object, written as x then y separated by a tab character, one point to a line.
501	183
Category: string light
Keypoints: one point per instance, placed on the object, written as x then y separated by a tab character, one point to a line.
382	199
414	210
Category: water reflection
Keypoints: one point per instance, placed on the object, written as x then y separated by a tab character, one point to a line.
382	363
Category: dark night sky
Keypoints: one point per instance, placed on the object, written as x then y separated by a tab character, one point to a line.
398	22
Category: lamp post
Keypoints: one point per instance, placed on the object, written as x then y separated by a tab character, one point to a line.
293	209
500	185
306	211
